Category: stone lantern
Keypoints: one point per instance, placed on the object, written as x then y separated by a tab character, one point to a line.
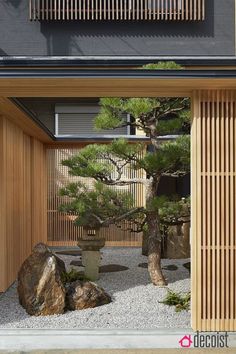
90	244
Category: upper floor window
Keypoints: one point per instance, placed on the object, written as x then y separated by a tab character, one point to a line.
100	10
78	121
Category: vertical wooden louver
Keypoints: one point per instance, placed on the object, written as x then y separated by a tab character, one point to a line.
174	10
61	229
214	211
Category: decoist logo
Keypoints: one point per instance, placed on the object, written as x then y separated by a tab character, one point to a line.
205	340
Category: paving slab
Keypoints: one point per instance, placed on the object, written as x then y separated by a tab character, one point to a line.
129	351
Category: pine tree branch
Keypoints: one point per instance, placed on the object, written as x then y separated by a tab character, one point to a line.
174	174
138	229
126	182
124	216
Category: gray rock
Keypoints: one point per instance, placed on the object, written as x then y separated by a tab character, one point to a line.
85	294
40	288
74	253
76	263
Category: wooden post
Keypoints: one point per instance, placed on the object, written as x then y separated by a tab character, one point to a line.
213	210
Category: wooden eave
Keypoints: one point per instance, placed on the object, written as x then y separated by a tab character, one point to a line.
54	82
100	83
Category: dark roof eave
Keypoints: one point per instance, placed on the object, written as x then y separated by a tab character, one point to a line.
116	73
112	61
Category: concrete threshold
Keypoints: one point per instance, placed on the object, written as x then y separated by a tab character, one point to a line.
46	339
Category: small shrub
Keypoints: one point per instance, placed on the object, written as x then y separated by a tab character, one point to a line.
72	275
180	301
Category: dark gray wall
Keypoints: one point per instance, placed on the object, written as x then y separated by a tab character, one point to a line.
214	36
44	108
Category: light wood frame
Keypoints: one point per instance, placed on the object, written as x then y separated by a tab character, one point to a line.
214	210
213	142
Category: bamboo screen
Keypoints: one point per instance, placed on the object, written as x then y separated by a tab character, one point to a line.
61	230
214	210
177	10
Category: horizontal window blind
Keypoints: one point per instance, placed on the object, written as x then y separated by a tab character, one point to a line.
79	121
83	124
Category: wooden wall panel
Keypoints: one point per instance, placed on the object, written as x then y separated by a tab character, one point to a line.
61	230
39	192
3	248
26	199
21	212
173	10
214	211
15	231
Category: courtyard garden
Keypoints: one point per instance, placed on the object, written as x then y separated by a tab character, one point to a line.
136	303
93	286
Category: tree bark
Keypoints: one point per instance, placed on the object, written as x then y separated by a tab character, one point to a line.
154	239
154	250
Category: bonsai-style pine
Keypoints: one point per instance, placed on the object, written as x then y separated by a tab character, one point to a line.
99	206
106	163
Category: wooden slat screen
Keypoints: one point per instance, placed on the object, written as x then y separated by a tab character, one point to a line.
22	200
214	211
61	230
174	10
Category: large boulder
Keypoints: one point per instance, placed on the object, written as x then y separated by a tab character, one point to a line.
41	291
85	294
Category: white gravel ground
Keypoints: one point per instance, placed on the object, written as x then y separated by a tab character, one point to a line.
135	301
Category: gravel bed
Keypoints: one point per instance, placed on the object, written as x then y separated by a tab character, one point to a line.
135	301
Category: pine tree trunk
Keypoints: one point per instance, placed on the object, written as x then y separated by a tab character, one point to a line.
154	239
154	250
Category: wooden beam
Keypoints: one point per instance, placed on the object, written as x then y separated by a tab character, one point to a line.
22	120
110	87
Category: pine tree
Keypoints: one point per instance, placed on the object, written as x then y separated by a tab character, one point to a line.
105	163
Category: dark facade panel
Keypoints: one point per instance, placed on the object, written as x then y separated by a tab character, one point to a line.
43	109
214	36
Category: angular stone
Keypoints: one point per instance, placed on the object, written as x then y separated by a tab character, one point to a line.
74	253
40	288
76	263
85	294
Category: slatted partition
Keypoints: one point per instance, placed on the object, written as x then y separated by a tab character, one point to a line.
214	210
61	230
22	198
174	10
